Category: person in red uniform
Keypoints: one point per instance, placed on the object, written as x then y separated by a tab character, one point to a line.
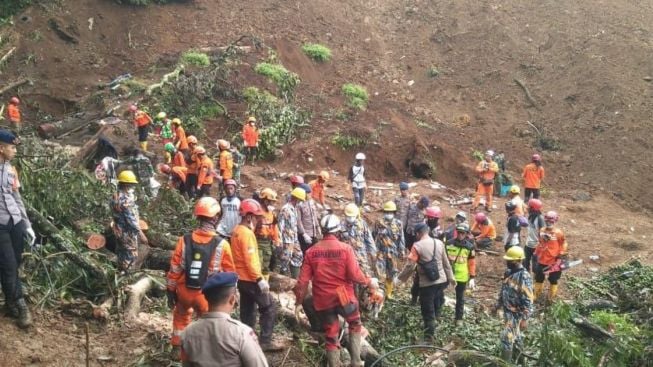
197	255
204	172
551	249
142	122
332	268
13	113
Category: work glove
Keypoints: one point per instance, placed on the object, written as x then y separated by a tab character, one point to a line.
30	236
307	238
264	286
298	311
472	284
172	299
374	283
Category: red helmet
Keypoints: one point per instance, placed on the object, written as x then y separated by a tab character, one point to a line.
250	206
551	216
536	158
230	181
133	108
433	212
480	217
296	179
14	100
535	204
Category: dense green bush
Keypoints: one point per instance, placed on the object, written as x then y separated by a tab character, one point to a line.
317	52
285	80
195	58
356	94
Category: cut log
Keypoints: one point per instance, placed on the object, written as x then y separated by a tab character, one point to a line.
136	293
469	358
281	283
590	328
102	311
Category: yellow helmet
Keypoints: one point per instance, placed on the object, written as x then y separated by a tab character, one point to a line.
351	210
127	177
324	175
161	115
514	189
298	193
222	144
269	194
176	121
390	206
515	253
251	119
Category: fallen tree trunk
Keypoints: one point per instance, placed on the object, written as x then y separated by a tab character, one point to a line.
469	358
136	292
46	228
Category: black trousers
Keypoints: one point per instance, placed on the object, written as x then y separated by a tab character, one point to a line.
205	190
431	300
12	241
191	185
540	276
252	297
460	300
410	240
528	192
529	258
305	245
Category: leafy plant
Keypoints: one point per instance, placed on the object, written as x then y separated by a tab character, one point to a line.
478	155
547	143
346	141
317	52
285	80
9	8
195	58
433	72
356	94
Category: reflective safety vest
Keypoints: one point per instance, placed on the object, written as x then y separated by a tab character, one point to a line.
198	258
459	256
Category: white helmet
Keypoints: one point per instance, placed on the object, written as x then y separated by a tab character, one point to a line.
490	153
462	214
330	223
360	156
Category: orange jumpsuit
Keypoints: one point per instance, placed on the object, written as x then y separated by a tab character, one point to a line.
250	135
317	191
533	176
13	112
180	139
485	230
484	186
181	264
226	165
178	160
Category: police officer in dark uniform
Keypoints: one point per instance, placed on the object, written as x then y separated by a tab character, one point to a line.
216	339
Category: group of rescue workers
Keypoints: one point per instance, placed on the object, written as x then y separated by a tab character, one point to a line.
226	261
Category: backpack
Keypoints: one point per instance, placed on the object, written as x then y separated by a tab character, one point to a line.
430	268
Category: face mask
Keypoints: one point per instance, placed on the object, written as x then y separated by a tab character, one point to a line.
388	216
512	265
350	220
432	223
549	224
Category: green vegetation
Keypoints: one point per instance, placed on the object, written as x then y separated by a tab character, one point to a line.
433	72
346	141
285	80
278	120
317	52
547	143
478	155
195	58
357	95
9	8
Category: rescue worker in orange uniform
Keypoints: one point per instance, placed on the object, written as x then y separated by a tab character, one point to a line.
254	289
181	143
142	121
267	231
192	162
204	172
551	249
197	255
317	187
225	163
176	177
486	170
533	175
484	231
13	113
332	268
250	139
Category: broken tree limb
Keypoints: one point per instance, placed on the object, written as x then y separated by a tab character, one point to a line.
166	79
590	328
13	85
7	56
46	228
527	92
136	293
281	283
101	312
468	358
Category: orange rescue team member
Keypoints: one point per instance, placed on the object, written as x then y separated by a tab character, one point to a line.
226	160
551	249
317	187
254	289
486	170
204	172
267	231
13	112
192	163
181	143
142	122
176	177
533	176
250	139
197	255
484	231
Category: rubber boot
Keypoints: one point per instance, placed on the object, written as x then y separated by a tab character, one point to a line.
538	290
355	340
506	355
389	287
24	316
333	358
553	292
11	310
143	146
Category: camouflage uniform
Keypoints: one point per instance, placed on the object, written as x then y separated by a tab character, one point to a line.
144	171
239	160
402	203
126	228
359	237
291	253
516	301
389	237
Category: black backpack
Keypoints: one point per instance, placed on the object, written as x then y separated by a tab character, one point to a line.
430	268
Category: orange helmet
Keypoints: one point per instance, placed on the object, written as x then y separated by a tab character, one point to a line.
250	206
200	150
207	207
324	175
222	144
133	108
191	139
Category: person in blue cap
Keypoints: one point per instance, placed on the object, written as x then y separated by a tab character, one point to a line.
15	232
403	202
216	339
